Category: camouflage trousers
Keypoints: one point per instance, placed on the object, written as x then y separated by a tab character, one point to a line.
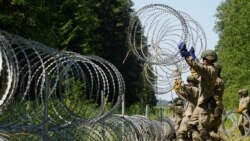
243	122
177	122
215	122
205	124
183	130
200	119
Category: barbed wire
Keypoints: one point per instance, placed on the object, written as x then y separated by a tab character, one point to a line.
161	28
50	95
230	123
36	78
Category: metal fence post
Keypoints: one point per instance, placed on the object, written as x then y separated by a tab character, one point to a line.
103	111
46	94
147	111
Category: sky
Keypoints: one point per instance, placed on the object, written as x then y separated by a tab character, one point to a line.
202	11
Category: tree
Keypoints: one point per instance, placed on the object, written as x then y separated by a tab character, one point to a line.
233	47
114	19
66	24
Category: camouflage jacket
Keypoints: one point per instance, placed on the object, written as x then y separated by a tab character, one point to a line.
207	79
219	90
245	103
190	95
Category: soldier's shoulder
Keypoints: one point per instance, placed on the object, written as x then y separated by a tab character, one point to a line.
212	68
220	81
195	88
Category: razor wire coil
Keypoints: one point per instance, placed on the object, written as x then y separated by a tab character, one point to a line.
161	28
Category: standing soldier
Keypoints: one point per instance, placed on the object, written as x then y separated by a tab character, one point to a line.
244	107
177	108
207	78
216	116
189	92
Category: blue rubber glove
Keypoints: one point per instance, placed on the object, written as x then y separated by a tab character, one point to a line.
183	49
182	46
192	53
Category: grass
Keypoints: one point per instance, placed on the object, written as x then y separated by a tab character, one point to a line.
232	138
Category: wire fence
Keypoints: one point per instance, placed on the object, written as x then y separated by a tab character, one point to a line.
161	28
48	94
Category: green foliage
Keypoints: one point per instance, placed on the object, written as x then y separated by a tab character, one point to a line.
148	92
33	110
78	101
63	24
135	109
20	111
114	17
154	113
233	47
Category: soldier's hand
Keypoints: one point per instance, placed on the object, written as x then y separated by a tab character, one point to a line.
192	53
240	110
182	46
193	72
177	86
183	49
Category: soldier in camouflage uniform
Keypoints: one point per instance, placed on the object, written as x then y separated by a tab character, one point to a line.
189	92
200	118
244	107
216	116
177	108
